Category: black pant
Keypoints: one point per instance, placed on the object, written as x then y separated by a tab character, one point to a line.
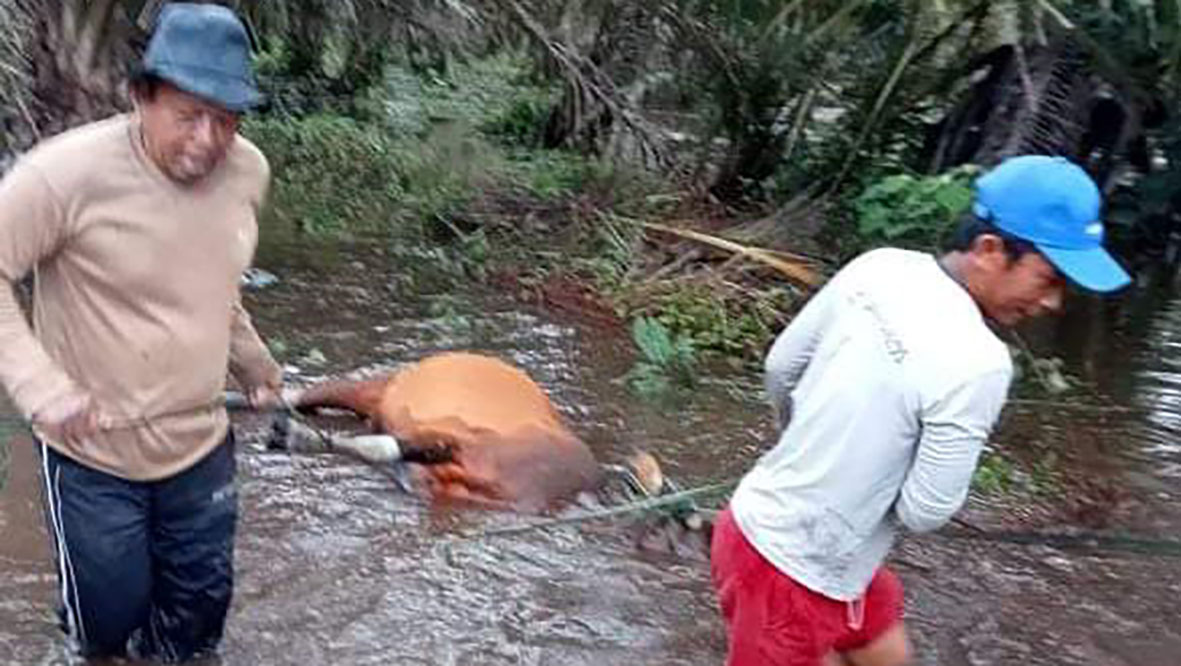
144	568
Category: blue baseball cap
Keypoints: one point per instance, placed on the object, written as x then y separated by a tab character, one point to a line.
203	50
1053	204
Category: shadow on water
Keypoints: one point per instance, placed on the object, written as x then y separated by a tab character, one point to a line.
336	566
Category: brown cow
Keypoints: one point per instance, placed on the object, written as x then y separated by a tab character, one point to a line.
491	434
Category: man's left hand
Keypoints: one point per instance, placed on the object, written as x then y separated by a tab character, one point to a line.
266	398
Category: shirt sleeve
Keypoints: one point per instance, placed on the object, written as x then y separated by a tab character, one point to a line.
33	227
251	362
794	349
955	428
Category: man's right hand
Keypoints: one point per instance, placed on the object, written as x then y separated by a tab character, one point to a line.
71	417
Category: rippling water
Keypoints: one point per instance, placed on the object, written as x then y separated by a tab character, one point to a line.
337	567
1158	380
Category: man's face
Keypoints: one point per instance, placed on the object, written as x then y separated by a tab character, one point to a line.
1011	291
186	136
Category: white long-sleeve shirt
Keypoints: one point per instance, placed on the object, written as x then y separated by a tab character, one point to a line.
893	382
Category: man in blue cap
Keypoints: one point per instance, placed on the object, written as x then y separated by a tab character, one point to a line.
137	229
888	384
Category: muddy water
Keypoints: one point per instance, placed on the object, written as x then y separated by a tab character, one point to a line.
337	567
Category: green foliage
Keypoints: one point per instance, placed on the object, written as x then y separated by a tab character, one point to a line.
716	324
998	474
452	314
277	345
552	174
467	257
1036	375
330	173
333	174
491	95
667	364
522	123
416	157
613	251
994	474
910	211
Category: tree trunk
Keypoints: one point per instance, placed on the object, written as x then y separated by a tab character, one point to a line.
79	54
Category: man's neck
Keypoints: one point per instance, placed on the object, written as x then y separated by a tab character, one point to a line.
955	267
959	269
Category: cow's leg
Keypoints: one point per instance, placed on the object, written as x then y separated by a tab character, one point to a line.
376	449
359	396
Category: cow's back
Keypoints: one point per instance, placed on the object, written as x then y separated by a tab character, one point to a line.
479	392
512	445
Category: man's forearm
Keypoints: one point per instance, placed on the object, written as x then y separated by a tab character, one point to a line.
29	375
251	362
938	482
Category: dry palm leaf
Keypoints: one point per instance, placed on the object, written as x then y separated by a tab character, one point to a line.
797	268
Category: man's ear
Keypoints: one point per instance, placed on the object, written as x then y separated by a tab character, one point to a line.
988	250
134	95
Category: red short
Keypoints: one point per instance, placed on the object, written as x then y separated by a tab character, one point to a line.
774	621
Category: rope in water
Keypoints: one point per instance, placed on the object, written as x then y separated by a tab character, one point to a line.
1080	541
1085	541
622	509
1091	542
229	400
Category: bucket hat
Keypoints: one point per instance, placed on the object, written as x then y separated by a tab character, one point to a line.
203	50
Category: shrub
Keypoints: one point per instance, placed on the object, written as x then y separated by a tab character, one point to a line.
330	172
909	211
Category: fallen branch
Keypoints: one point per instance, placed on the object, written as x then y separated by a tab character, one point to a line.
673	266
794	267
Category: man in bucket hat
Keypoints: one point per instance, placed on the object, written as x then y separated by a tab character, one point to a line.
137	229
888	383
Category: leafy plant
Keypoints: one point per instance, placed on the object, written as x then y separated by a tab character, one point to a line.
914	211
452	314
994	474
522	123
667	363
331	172
1034	375
716	324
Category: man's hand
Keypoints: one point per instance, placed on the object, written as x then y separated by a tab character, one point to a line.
70	418
266	398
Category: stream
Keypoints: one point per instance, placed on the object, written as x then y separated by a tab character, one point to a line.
337	566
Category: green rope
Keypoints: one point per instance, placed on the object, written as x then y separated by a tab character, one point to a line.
1085	542
649	504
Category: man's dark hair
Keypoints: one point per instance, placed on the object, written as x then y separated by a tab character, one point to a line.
144	85
972	227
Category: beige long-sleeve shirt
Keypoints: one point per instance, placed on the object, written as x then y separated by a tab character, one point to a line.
136	299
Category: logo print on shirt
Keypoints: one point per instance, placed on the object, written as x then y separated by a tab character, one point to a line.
894	347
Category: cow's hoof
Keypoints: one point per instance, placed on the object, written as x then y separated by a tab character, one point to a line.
290	435
280	432
433	453
645	473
